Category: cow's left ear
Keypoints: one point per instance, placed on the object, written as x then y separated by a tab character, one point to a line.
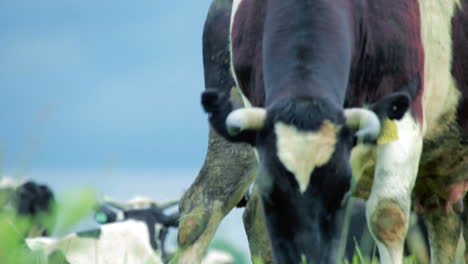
393	106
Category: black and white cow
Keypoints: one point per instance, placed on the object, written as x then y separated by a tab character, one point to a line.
307	68
132	232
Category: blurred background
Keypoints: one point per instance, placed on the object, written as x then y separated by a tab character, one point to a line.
105	94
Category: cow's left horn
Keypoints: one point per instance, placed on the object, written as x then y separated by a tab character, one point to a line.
245	119
365	121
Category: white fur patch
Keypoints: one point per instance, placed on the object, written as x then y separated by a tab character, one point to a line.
301	152
395	174
9	182
235	6
440	93
120	242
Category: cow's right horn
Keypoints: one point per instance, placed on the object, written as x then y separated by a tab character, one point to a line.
245	119
365	121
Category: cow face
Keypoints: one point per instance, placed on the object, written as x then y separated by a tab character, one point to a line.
299	136
303	146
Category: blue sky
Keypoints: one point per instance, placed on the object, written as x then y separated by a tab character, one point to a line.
105	94
95	84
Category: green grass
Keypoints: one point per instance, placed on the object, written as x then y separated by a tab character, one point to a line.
359	258
74	206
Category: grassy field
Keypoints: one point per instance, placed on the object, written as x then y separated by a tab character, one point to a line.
74	206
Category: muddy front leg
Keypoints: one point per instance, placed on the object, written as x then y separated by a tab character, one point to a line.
388	207
224	179
229	168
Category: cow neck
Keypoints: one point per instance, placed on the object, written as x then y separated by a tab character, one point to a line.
307	49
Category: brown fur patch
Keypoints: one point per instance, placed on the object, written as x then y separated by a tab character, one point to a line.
389	223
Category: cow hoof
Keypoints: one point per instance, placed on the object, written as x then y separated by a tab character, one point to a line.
389	222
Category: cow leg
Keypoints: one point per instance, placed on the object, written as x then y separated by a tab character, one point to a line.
388	207
162	238
229	169
254	224
416	241
444	230
225	177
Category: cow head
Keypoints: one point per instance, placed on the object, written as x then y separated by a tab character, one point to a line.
303	146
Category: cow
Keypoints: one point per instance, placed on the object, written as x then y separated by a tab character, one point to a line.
132	232
306	69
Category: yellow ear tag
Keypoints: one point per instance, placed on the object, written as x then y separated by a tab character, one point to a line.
388	133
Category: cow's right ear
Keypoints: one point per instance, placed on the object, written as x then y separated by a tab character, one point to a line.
240	125
393	106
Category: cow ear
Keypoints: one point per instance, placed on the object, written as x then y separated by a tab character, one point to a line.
240	125
393	106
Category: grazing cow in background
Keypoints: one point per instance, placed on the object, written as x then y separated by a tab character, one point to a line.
307	68
133	231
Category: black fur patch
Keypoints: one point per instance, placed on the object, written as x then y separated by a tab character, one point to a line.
395	105
304	113
33	198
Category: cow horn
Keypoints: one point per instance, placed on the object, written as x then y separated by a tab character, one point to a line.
245	119
365	121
